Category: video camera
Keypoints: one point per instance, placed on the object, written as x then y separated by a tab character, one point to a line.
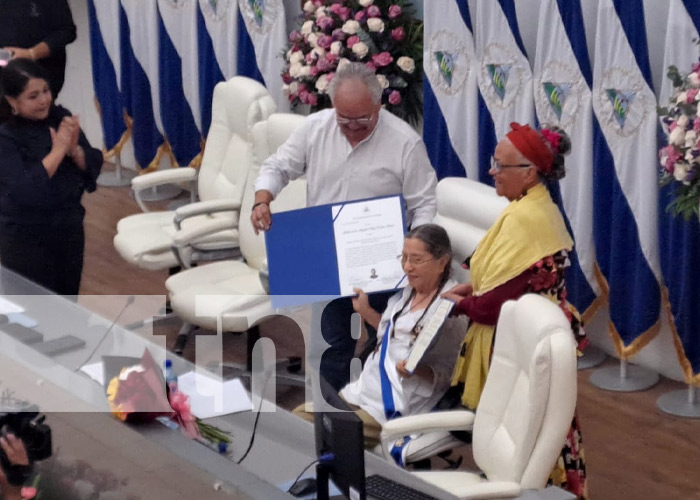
29	427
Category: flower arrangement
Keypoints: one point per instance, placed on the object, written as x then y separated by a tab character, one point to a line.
139	394
680	159
383	34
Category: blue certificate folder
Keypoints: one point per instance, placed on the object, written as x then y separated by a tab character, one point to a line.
301	255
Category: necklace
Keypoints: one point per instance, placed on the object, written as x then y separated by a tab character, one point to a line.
415	305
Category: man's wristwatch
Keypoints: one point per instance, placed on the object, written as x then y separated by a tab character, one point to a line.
260	203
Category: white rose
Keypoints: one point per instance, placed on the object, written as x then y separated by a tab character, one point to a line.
296	57
295	70
360	49
336	47
677	137
683	121
375	24
383	82
307	27
690	139
294	87
320	12
688	156
366	3
304	71
350	27
319	51
406	64
694	80
312	39
285	90
309	6
681	97
680	171
322	84
342	63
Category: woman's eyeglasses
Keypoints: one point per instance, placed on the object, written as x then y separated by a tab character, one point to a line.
356	121
498	167
414	261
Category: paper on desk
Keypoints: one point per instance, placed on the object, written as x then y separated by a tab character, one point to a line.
7	307
210	397
95	371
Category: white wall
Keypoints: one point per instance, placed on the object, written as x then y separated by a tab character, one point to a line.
660	355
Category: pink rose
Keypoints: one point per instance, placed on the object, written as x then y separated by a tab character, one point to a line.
329	76
352	41
696	125
394	11
398	34
325	41
395	97
313	99
296	36
338	34
314	70
311	57
672	126
324	22
382	59
340	11
304	96
360	16
324	65
691	95
331	58
373	11
286	78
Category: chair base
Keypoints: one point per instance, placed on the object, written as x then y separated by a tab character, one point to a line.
683	403
591	358
625	378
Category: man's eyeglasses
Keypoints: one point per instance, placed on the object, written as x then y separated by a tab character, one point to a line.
357	121
414	261
498	167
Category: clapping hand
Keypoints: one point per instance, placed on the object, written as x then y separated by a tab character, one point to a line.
66	137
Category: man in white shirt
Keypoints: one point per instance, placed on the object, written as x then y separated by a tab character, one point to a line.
355	150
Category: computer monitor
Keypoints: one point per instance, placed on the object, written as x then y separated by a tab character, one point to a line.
339	447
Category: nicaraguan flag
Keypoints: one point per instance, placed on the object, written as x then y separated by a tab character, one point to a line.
211	24
138	21
106	71
625	174
179	81
450	91
562	79
504	76
262	39
679	240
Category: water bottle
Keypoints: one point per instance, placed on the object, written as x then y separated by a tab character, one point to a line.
170	377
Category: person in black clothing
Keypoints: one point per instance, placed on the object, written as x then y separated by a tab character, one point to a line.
38	30
46	164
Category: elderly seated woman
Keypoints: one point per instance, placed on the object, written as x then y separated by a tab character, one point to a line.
385	389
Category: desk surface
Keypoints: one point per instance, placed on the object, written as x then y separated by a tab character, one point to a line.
153	457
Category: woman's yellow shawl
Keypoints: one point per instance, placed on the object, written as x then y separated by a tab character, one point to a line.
528	230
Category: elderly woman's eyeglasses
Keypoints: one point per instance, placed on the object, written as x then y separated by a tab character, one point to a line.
414	261
366	120
498	167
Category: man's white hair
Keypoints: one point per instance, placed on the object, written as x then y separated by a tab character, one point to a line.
356	71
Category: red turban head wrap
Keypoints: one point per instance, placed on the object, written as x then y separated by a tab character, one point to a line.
532	146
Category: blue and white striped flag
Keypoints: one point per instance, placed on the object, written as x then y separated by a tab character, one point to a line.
262	34
505	78
179	83
212	39
562	78
679	240
138	22
106	71
625	174
450	91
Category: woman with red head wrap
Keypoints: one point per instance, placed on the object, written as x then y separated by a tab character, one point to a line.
525	251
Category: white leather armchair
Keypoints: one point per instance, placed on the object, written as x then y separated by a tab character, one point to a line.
231	291
525	410
210	225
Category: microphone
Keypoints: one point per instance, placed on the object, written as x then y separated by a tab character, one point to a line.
130	300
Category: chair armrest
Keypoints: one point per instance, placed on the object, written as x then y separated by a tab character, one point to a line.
204	208
190	235
460	420
153	179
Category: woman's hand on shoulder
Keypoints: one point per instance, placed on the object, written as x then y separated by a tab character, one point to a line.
459	292
401	369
